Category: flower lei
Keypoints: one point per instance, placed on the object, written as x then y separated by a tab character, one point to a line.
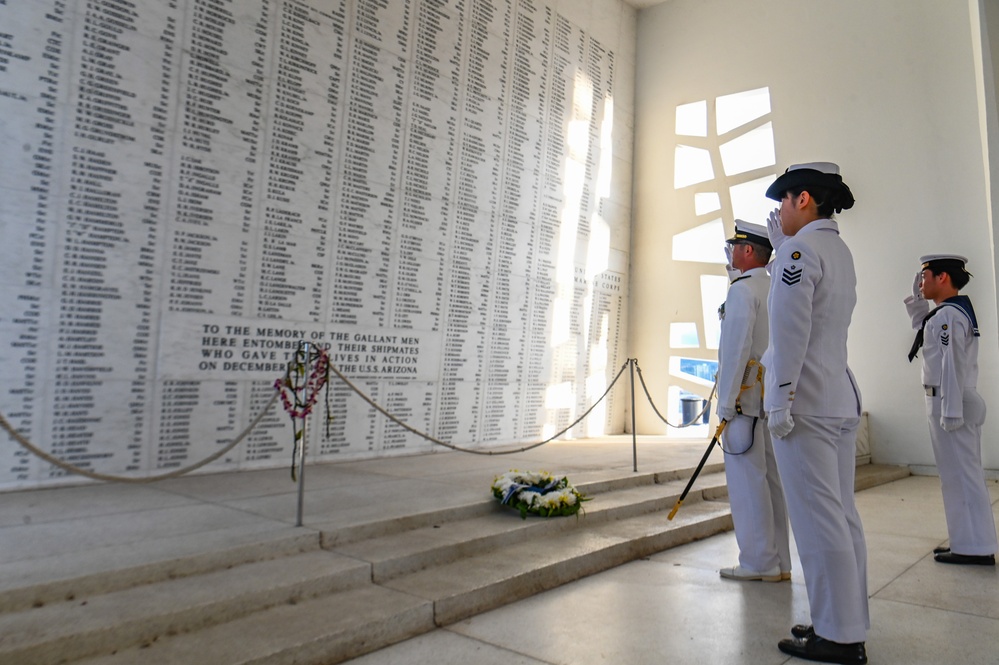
299	393
537	493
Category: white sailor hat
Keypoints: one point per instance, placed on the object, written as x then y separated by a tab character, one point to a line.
944	261
749	232
816	174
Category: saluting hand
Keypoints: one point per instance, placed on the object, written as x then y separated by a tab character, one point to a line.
917	293
774	230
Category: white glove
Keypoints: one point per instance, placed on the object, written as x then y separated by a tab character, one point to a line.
725	413
774	231
951	424
780	422
733	274
916	293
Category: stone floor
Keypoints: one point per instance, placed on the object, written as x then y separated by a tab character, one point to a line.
673	608
669	608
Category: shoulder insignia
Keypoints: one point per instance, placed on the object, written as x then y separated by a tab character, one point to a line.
791	275
721	312
795	255
944	327
945	339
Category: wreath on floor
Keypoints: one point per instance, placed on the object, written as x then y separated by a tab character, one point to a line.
538	493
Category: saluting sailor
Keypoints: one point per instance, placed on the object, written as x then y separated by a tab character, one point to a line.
754	488
948	337
813	408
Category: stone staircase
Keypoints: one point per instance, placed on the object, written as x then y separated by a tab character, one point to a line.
259	595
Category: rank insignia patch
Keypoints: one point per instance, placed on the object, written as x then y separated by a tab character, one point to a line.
795	255
945	339
944	326
791	275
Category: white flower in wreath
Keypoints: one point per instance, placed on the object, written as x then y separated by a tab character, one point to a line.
567	496
530	498
550	500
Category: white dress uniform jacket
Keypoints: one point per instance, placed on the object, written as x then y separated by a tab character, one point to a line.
744	337
950	355
810	374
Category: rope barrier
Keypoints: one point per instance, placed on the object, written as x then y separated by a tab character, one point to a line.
473	451
700	415
238	439
65	466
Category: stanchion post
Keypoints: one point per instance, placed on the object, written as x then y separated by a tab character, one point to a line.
304	346
634	440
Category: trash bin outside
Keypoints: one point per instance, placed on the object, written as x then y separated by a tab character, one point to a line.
690	406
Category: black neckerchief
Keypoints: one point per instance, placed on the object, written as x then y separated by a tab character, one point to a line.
961	302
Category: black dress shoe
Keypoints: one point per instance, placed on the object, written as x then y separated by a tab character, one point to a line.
966	559
801	630
824	651
941	550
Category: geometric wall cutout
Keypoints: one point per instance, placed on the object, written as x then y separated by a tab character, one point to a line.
705	202
683	335
752	150
731	111
691	166
714	289
704	243
692	119
749	201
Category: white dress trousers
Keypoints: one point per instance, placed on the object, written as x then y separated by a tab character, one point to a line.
756	496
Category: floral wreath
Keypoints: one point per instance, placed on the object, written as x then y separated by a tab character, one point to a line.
537	493
299	393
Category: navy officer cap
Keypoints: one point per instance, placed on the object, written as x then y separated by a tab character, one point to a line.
816	174
749	232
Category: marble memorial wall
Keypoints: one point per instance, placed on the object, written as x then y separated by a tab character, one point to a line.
192	187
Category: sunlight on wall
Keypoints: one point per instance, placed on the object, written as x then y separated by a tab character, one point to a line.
705	202
577	348
704	243
693	166
692	119
746	158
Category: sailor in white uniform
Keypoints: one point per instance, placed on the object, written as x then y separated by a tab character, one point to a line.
754	489
813	408
948	340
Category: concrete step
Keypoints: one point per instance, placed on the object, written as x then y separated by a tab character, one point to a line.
521	568
408	551
321	631
374	585
40	581
872	475
356	621
590	483
92	624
